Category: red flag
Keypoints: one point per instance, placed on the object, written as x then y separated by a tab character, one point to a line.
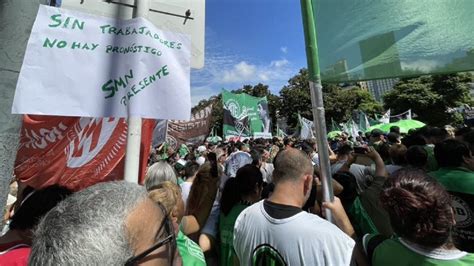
75	152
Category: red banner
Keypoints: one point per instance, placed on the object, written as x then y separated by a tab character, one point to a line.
75	152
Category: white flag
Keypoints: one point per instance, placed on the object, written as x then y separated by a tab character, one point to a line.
385	118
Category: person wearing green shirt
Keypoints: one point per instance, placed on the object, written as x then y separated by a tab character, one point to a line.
457	176
422	218
169	195
239	193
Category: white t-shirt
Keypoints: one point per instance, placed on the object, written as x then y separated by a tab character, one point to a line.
185	189
302	239
364	174
267	171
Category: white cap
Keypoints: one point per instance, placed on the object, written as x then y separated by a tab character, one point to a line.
200	160
201	149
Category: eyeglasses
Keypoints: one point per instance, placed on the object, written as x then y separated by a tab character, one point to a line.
167	225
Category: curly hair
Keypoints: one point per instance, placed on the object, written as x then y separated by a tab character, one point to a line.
419	208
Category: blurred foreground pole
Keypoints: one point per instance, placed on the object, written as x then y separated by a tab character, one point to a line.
317	106
134	133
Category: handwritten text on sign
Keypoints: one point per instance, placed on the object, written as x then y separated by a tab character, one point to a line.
78	64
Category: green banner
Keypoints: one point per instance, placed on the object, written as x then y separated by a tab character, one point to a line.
245	116
366	39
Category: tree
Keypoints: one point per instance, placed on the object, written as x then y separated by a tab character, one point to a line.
429	97
217	111
339	103
295	98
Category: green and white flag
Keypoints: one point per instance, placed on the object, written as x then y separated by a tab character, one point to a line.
365	39
306	128
245	116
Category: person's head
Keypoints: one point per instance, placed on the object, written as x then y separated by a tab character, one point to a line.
376	136
256	157
398	154
344	150
221	155
169	195
453	153
105	224
246	186
469	139
395	129
289	142
265	155
419	208
34	206
459	134
158	173
293	169
191	169
207	175
417	156
437	135
393	138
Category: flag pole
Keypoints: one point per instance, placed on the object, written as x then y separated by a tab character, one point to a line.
317	105
134	132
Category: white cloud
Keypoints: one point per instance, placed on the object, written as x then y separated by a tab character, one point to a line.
284	49
224	69
241	71
421	65
279	63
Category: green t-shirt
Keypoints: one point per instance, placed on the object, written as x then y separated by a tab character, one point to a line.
397	252
226	230
190	252
455	179
459	182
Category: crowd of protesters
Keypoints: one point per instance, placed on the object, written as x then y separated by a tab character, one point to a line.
400	199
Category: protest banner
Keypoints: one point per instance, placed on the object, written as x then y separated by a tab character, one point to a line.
77	64
245	116
193	131
75	152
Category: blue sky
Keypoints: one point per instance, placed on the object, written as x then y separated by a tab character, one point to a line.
247	42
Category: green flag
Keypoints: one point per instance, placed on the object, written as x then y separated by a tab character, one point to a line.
365	39
245	116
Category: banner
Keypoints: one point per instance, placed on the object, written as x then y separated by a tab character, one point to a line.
364	123
193	131
245	116
385	118
365	39
75	152
77	64
159	133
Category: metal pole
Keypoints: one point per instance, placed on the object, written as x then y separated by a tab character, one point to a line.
317	105
134	132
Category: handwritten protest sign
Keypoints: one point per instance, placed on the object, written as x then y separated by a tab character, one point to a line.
78	64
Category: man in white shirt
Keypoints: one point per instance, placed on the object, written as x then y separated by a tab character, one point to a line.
278	229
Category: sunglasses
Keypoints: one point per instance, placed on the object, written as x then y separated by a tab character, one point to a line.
170	238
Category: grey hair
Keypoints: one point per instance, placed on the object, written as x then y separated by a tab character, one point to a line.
158	173
88	228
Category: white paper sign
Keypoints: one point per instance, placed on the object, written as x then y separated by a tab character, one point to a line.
78	64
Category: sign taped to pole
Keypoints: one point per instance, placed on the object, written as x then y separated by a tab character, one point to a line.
78	64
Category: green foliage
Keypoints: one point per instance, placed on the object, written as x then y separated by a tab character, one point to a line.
429	97
339	103
217	111
295	98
